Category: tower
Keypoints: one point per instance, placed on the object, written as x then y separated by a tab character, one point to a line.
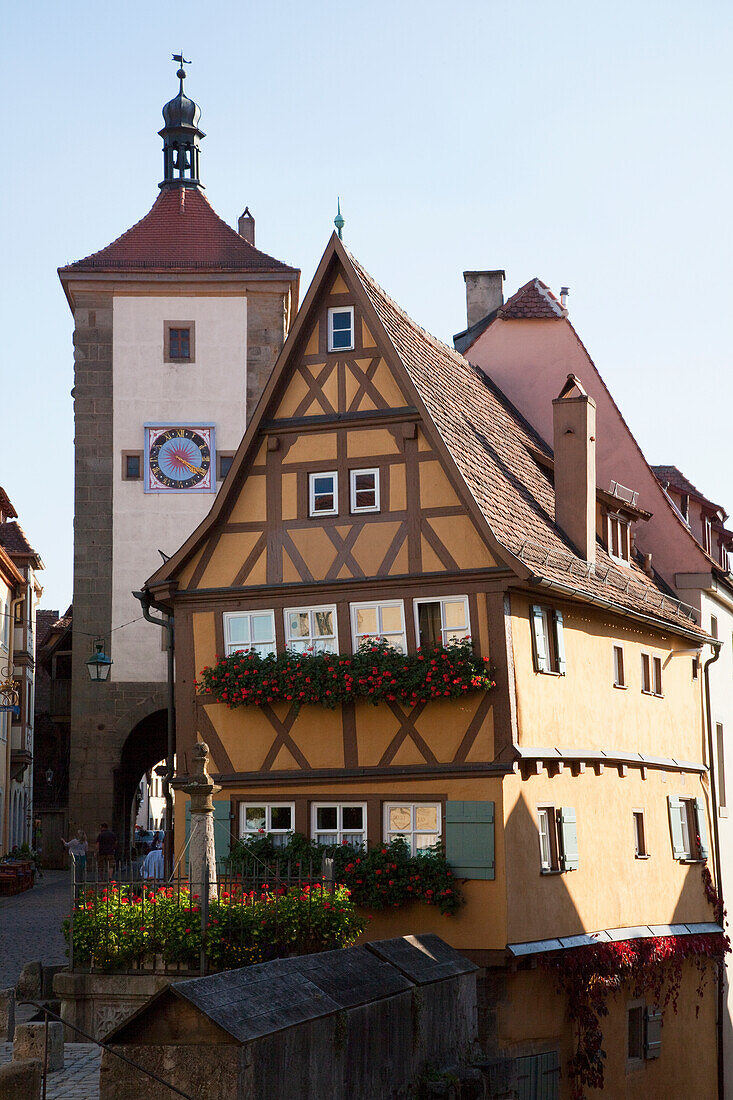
177	324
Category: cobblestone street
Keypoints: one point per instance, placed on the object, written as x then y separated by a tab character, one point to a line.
78	1080
30	926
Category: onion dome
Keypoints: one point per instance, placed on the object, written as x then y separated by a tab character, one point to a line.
181	137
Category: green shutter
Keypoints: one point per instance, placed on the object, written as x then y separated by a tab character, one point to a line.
538	1076
702	828
652	1033
559	641
569	858
676	809
469	839
538	639
222	831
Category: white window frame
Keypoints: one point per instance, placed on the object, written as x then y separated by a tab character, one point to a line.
352	490
686	811
623	538
246	647
619	667
312	494
339	831
553	640
547	831
379	604
411	833
268	830
332	311
641	851
291	643
442	600
657	677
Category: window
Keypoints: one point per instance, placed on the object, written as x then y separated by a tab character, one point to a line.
713	626
651	675
720	744
657	674
365	490
379	620
619	679
311	628
276	819
635	1033
644	1034
132	465
640	849
688	827
417	822
178	342
323	494
441	621
619	538
339	823
695	668
341	328
224	461
707	535
245	630
558	839
548	640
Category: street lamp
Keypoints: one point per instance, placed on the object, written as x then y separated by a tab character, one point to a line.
99	664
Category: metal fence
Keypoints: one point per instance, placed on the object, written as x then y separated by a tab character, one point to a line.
124	923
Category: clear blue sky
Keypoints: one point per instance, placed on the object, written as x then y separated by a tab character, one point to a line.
588	144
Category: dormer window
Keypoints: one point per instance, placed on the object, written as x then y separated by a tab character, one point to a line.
619	538
341	328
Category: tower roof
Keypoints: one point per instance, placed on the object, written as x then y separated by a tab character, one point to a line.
182	232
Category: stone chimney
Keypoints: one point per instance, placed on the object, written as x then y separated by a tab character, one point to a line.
484	294
574	440
247	226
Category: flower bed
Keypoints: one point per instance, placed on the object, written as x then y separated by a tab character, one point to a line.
381	877
123	925
376	672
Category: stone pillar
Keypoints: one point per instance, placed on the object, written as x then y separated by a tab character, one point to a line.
200	789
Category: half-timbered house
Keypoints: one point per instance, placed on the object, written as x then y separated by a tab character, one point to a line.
386	488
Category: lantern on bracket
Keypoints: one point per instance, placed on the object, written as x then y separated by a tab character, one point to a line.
99	664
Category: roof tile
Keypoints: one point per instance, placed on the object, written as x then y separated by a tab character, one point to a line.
533	301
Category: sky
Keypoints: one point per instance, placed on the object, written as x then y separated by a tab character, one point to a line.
586	144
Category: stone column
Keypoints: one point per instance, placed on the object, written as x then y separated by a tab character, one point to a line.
200	789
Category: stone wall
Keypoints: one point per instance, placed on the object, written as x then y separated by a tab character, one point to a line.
267	325
97	1003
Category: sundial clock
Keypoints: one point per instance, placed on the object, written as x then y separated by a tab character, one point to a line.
178	458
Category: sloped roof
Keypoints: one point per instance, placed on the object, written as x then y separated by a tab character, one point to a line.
6	506
533	301
492	448
181	232
672	476
13	539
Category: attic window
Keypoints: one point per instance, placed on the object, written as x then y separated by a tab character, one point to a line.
619	538
341	328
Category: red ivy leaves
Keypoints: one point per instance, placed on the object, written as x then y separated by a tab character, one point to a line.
376	672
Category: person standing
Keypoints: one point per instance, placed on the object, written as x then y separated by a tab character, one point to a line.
77	848
106	851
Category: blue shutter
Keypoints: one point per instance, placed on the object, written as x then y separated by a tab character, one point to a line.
538	638
652	1033
676	809
702	829
559	642
222	830
469	839
569	858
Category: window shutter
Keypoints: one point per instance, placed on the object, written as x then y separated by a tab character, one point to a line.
559	641
676	809
469	839
222	830
569	860
538	637
653	1033
702	828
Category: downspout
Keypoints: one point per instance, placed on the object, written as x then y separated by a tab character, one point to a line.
9	743
716	844
167	622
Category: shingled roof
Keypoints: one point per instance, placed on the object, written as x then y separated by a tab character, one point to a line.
181	232
492	447
533	301
13	539
672	476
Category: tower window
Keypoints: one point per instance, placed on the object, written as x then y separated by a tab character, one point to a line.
178	343
341	329
132	465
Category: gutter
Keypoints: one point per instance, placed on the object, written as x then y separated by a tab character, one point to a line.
716	844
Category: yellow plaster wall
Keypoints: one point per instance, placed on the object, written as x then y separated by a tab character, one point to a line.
250	504
584	710
610	888
204	639
370	441
312	447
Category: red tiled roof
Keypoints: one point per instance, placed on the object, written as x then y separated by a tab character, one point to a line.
670	475
6	506
13	539
183	232
533	301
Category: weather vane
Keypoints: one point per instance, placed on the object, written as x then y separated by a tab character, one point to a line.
181	74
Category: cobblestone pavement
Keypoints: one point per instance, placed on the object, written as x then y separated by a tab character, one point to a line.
30	926
78	1080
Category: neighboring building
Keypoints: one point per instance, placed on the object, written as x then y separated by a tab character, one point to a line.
151	795
19	595
176	326
54	635
386	488
527	346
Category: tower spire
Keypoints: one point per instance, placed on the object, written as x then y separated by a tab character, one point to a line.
181	136
338	221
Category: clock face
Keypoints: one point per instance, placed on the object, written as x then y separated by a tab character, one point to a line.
179	458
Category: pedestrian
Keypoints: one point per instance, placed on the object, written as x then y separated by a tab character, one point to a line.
157	842
106	851
77	848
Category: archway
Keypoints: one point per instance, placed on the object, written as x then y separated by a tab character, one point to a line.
144	746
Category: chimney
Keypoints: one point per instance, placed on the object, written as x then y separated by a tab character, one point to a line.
484	294
247	226
574	440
